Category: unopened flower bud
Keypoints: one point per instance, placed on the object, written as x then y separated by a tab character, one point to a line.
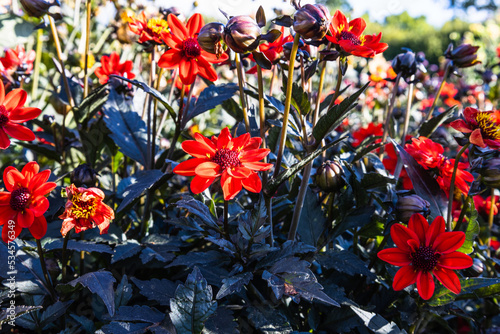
490	173
311	21
329	176
210	38
464	55
407	64
242	34
409	205
84	175
38	8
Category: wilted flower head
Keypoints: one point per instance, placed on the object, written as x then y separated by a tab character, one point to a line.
311	21
242	34
38	8
408	63
329	176
210	38
464	55
85	210
483	127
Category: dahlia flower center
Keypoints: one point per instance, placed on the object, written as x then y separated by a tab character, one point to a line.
19	199
349	36
83	208
3	116
488	126
157	26
425	258
191	48
226	158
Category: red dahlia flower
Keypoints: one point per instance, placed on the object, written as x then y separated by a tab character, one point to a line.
148	30
85	210
426	152
349	38
424	250
12	113
111	65
235	160
24	201
483	126
17	59
273	51
186	53
363	133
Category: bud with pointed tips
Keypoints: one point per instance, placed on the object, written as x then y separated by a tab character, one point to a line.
311	21
409	205
329	176
464	55
210	38
242	34
84	175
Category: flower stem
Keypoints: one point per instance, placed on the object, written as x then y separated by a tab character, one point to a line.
82	255
449	219
491	215
87	38
44	269
337	87
38	59
155	109
164	116
178	129
226	223
438	93
64	259
408	110
288	100
242	93
388	113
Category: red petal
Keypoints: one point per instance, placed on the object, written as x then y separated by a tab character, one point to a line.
470	115
400	235
44	189
395	256
16	98
419	225
177	28
67	225
252	183
186	168
254	155
12	177
4	140
230	186
194	24
39	207
449	242
199	184
39	227
170	59
25	219
206	70
187	71
476	138
2	92
357	26
38	179
449	279
404	277
239	143
455	260
208	170
339	20
24	114
224	139
19	132
197	149
437	227
259	166
240	172
461	126
425	285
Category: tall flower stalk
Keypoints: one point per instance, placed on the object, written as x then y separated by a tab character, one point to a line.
449	219
440	89
239	71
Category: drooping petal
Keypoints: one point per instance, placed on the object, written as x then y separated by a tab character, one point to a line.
67	225
199	184
395	256
425	285
230	186
437	227
461	125
16	98
187	168
187	71
252	183
25	219
405	276
39	227
476	138
419	225
206	70
400	235
19	131
4	140
170	59
448	278
455	260
208	170
449	242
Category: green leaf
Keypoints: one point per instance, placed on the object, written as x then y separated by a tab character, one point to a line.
344	262
233	284
300	100
428	127
192	304
472	227
123	292
335	115
91	105
376	323
472	288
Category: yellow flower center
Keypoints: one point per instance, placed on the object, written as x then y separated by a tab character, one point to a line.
488	126
158	26
83	208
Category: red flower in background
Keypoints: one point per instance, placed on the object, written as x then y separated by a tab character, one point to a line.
349	37
483	126
235	160
111	65
17	59
483	205
461	179
12	113
423	251
185	52
390	162
363	133
273	51
24	201
85	210
148	30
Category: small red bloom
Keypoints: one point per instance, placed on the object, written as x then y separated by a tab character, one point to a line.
111	65
363	133
390	162
148	30
273	51
85	210
12	113
424	250
483	205
350	39
235	160
426	152
185	52
24	202
18	60
483	126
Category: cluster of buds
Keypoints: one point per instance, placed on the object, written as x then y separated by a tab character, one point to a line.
329	176
462	56
311	21
409	205
408	63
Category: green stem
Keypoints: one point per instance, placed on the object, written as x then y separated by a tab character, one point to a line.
44	269
87	39
438	93
408	111
288	100
388	113
452	187
65	256
242	93
38	59
337	87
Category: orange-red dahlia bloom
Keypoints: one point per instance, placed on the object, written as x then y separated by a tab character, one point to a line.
348	36
185	52
483	126
234	160
12	113
24	202
273	51
85	210
111	65
148	30
423	250
18	60
363	133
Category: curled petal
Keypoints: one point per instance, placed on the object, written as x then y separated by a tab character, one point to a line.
476	138
252	183
208	170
